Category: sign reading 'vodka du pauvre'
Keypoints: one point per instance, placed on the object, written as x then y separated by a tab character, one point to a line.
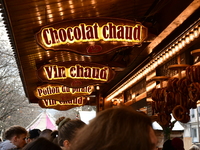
61	92
75	74
92	36
62	105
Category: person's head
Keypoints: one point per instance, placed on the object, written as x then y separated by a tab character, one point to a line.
46	133
194	147
54	135
41	143
67	129
17	135
168	145
177	143
116	129
33	134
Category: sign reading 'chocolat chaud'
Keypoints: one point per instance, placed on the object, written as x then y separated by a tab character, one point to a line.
75	74
61	92
91	36
62	105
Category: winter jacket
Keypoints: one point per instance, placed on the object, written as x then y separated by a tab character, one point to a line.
7	145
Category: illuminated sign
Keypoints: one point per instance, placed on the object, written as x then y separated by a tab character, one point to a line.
62	105
75	74
61	92
91	36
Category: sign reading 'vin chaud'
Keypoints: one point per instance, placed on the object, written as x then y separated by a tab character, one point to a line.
62	105
75	74
91	36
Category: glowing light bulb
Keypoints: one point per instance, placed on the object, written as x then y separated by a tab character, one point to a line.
187	39
98	87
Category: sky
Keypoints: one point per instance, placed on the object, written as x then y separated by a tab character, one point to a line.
3	33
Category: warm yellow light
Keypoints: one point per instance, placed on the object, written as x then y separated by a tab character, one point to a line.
53	103
149	100
42	91
158	61
99	34
187	39
40	22
164	57
93	2
70	2
74	72
48	54
167	55
51	19
98	87
151	86
146	71
196	34
40	55
173	50
170	52
191	36
180	45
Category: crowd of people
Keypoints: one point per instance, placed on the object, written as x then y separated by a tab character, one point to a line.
119	128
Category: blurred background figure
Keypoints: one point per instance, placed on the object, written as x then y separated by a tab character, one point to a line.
119	128
46	133
168	145
33	134
41	143
67	129
54	136
177	144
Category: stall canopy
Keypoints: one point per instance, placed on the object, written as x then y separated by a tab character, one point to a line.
25	19
43	121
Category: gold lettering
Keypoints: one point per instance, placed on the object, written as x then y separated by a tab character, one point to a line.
86	33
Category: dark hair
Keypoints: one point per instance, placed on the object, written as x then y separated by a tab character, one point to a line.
115	129
41	143
46	133
168	145
14	131
54	136
177	143
67	129
34	133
